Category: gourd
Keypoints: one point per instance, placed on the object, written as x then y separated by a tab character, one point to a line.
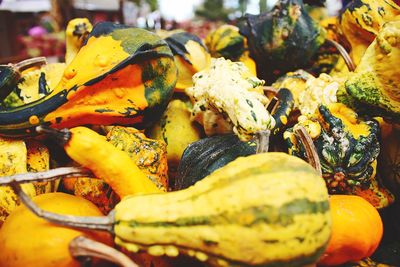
282	40
373	87
149	155
368	262
361	21
128	80
227	42
11	73
295	82
75	33
203	157
389	164
13	160
44	244
37	160
357	230
272	201
177	130
348	149
107	162
190	54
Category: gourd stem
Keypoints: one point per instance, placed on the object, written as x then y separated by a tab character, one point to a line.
61	136
49	175
347	59
262	141
311	152
270	89
104	223
81	247
30	62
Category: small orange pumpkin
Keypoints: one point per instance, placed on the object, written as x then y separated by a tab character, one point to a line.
27	240
357	230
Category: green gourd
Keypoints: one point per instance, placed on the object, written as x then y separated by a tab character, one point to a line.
120	75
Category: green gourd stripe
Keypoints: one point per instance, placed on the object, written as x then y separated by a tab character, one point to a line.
282	216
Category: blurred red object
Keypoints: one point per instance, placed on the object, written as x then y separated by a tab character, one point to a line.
47	45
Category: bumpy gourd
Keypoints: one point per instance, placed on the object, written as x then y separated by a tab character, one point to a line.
348	149
120	76
267	209
373	88
13	160
227	42
190	54
284	39
361	21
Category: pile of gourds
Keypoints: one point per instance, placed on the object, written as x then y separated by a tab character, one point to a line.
265	145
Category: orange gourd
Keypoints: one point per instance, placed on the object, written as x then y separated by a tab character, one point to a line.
356	230
27	240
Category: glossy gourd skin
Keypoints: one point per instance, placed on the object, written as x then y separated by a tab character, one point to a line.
282	40
190	54
203	157
348	149
255	211
177	131
27	240
373	87
361	20
227	42
8	79
357	230
129	79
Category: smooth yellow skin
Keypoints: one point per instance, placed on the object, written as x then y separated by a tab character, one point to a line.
200	59
177	130
27	240
272	179
74	42
107	162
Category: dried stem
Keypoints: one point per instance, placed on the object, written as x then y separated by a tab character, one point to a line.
30	62
83	247
262	141
44	176
61	136
104	223
270	89
344	54
311	152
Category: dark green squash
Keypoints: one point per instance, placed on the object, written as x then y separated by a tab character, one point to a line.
203	157
190	54
11	73
121	75
348	149
284	39
8	79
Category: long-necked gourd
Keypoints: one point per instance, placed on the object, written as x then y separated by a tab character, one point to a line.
268	209
121	75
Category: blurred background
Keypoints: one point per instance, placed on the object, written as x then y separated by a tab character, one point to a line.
30	28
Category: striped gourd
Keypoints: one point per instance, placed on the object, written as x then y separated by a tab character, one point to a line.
267	209
120	75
